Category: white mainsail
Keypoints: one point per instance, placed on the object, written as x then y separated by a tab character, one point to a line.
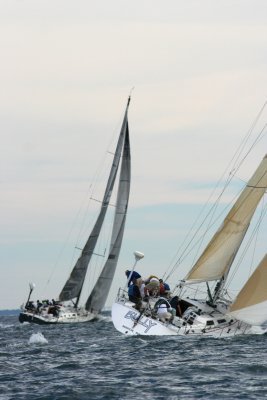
217	258
74	284
250	305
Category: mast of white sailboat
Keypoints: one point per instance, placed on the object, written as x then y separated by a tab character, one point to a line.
74	284
99	294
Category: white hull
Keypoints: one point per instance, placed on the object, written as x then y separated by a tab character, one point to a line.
66	316
127	320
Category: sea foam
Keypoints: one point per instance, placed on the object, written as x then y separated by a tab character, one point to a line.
37	338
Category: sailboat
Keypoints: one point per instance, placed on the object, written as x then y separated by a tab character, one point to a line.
67	309
213	314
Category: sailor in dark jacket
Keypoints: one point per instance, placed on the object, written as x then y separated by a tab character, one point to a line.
135	295
133	275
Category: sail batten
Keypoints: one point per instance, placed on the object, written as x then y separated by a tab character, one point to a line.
74	283
217	258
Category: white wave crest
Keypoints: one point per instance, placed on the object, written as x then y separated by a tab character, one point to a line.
37	338
105	318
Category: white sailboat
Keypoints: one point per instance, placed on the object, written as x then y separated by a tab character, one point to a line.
61	311
214	314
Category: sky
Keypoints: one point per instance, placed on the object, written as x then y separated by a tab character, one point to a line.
196	71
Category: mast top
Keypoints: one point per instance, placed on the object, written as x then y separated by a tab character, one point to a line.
129	98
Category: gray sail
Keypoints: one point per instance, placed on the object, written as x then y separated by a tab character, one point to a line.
73	286
99	294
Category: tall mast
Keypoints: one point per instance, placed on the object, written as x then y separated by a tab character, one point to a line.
74	284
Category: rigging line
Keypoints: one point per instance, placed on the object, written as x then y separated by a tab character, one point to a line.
236	155
95	254
188	234
66	241
201	238
101	201
95	187
252	236
83	228
117	128
86	226
92	188
211	219
211	211
258	138
96	184
184	255
249	133
208	227
101	167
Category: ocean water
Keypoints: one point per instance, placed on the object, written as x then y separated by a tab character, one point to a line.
94	361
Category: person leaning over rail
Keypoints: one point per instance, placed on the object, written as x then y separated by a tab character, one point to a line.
135	295
133	275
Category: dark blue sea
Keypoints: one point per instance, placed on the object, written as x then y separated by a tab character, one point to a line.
94	361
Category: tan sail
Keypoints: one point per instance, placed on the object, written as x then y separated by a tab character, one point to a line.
217	258
251	303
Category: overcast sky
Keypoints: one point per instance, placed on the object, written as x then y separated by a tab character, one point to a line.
198	69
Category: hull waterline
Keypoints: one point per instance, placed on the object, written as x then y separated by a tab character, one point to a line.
47	319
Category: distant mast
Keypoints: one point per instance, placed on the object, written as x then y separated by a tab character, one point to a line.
99	294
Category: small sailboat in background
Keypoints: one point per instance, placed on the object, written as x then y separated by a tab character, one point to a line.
212	314
62	312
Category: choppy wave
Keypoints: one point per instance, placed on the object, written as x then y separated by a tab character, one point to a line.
94	361
37	338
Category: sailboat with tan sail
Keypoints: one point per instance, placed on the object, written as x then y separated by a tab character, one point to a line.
214	313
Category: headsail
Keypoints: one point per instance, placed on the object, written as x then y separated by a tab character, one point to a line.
73	286
251	303
217	258
98	296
